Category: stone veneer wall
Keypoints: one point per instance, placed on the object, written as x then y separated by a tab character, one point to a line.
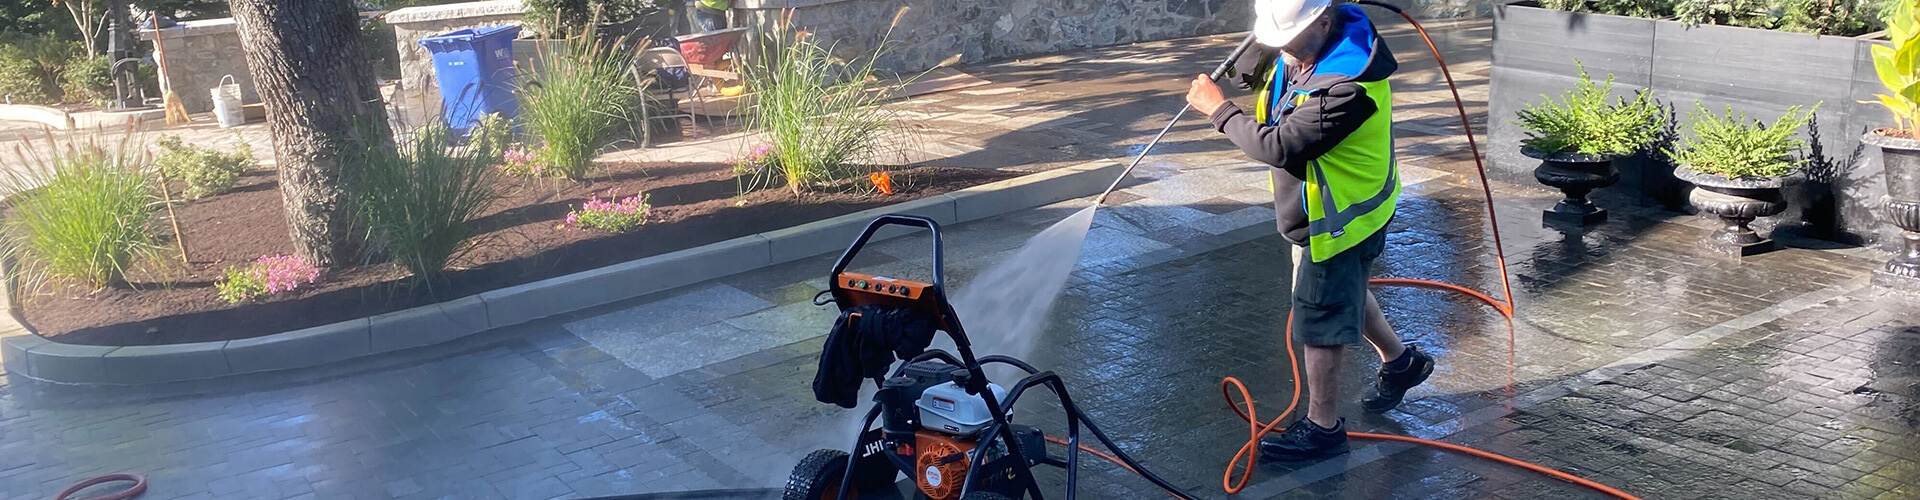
979	30
198	54
419	93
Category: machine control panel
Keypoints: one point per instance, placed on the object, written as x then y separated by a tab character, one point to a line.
882	285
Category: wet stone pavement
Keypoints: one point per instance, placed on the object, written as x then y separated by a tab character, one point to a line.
1635	360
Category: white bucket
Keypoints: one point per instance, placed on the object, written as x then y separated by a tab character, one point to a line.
226	103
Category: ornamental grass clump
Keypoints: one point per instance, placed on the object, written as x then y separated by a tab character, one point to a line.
268	275
419	201
820	119
1585	121
609	215
579	97
206	171
1734	146
80	213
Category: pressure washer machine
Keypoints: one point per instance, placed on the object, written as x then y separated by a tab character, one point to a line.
942	422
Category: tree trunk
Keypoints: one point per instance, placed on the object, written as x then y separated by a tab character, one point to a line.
323	107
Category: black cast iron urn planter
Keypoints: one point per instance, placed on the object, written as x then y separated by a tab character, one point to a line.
1901	159
1575	175
1738	201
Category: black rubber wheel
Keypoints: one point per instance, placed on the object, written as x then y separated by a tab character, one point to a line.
817	477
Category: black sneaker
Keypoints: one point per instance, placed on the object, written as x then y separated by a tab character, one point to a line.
1305	440
1391	387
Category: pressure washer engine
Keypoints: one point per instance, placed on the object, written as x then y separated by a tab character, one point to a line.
942	422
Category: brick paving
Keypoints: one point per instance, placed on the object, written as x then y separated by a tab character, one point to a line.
1636	360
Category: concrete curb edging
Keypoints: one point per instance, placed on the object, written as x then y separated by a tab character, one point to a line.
29	355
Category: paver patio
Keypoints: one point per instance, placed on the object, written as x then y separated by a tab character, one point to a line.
1635	360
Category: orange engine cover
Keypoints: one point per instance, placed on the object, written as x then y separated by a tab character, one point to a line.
940	481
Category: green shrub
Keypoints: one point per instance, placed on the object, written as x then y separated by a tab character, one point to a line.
206	171
581	95
1826	17
1635	8
419	201
32	68
87	79
1584	121
1898	67
1734	146
1744	13
79	214
241	284
1832	17
820	118
18	83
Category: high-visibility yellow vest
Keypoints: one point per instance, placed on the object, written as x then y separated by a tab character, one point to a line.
1351	191
714	5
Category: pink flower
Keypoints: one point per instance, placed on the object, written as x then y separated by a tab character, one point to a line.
609	214
284	273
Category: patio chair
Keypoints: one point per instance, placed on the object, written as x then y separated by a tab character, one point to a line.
655	75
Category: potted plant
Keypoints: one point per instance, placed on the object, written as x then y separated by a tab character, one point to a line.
1899	145
1577	138
1739	169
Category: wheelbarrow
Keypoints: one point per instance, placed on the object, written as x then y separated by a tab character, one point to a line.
706	49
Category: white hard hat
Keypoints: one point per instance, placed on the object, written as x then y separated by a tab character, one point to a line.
1277	22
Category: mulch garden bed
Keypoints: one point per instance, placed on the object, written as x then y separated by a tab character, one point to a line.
693	204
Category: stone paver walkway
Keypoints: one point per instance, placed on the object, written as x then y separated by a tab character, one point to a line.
1635	360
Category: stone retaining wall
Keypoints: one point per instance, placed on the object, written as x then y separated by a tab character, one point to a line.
933	30
198	54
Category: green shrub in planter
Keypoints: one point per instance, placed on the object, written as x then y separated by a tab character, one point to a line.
1734	146
206	171
1898	67
1586	121
419	201
79	214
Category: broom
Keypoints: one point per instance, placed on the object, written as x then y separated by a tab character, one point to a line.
176	112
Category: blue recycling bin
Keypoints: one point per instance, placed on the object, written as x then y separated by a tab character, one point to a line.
475	70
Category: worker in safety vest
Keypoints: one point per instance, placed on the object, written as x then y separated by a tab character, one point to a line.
1324	121
711	14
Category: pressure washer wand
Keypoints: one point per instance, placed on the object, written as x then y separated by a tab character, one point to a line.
1218	73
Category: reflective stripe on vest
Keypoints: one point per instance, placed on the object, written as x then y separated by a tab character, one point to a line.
714	5
1352	190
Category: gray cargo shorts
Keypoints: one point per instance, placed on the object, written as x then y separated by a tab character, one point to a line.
1330	297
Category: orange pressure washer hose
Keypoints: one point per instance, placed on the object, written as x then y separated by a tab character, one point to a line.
1249	451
